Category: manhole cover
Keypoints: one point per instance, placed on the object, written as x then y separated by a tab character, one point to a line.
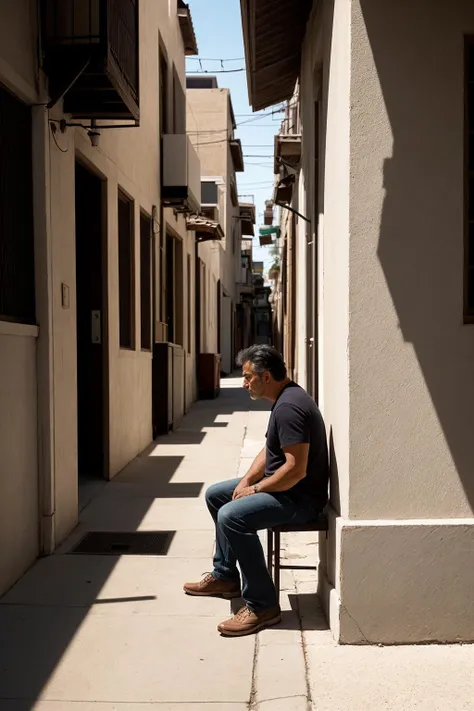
122	543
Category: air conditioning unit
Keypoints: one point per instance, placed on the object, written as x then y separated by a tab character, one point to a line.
181	181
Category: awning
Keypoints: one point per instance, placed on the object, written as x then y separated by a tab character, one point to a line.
187	29
237	155
247	218
205	229
288	148
273	32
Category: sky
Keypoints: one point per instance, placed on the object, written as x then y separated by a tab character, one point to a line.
218	28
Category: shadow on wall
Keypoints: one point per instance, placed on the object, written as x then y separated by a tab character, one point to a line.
334	493
421	227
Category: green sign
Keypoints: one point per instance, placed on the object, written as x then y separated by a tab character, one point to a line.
269	231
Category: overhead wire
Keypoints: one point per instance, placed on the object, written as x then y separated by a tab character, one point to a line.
203	59
216	71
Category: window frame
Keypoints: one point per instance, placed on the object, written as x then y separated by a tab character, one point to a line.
146	278
128	344
468	259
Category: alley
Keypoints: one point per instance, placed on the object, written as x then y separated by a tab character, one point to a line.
115	632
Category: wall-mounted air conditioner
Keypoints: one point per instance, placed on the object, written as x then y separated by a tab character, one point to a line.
181	180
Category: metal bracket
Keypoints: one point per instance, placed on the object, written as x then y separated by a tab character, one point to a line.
295	212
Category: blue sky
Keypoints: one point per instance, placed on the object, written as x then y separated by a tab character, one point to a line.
218	30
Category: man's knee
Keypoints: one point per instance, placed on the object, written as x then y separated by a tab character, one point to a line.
225	516
217	494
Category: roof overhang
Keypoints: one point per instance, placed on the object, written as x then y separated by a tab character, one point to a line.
283	193
247	218
287	150
233	192
187	29
205	229
273	32
237	154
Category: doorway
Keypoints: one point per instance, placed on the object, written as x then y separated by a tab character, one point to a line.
91	328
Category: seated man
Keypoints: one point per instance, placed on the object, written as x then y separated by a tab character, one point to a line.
287	483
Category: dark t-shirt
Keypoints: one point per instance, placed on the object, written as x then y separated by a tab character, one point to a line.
296	419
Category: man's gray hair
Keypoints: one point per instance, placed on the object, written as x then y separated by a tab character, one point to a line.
264	357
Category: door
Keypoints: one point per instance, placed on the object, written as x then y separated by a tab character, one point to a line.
90	324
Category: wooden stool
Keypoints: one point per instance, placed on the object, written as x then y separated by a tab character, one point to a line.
274	542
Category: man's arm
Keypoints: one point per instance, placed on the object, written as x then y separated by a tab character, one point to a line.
289	474
254	474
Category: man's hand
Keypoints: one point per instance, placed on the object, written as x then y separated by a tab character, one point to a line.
241	486
246	491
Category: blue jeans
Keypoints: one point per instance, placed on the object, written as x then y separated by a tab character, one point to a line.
237	523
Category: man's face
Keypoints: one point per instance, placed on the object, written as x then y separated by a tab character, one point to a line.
254	383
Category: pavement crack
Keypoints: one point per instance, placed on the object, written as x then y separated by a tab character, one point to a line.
252	704
304	649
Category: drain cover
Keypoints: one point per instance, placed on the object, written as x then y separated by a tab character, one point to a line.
123	543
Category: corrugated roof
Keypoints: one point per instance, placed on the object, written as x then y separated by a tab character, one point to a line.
203	226
273	34
187	29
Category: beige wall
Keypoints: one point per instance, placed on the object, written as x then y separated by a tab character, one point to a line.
18	47
209	123
18	450
128	158
397	359
411	356
208	127
327	45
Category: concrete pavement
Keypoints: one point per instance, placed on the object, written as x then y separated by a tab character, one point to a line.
116	633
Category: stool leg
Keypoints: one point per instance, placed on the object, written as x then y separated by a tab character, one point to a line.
276	577
270	551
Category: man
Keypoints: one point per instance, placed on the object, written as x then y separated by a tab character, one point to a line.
287	483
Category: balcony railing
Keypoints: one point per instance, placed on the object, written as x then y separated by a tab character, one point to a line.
123	38
91	55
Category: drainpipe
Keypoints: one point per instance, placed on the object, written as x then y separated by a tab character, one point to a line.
44	315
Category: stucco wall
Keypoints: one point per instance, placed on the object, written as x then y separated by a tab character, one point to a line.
209	123
126	157
411	373
18	46
18	450
327	47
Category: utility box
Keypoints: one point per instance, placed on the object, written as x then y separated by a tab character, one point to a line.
209	375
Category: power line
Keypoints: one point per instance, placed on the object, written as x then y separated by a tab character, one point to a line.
216	71
202	59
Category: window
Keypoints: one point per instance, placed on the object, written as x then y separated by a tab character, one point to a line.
469	184
179	105
164	118
17	262
190	304
174	290
145	281
126	271
209	192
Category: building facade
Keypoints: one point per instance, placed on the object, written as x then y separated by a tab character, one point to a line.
86	281
211	127
382	320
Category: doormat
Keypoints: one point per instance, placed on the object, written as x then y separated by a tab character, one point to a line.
125	543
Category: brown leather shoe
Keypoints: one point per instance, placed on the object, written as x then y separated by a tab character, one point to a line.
245	621
210	587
